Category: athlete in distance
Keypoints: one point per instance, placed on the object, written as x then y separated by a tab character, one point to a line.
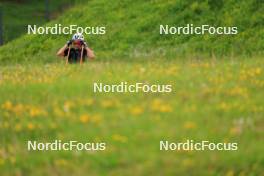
76	50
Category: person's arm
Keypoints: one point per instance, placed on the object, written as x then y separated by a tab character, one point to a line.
60	53
90	53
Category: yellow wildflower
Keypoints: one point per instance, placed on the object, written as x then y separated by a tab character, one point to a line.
230	173
18	109
187	162
96	119
35	112
89	102
6	125
172	70
53	126
67	106
136	110
239	91
107	103
31	126
119	138
2	161
189	125
165	108
58	112
236	130
159	106
12	160
18	127
60	162
224	106
84	118
258	71
7	105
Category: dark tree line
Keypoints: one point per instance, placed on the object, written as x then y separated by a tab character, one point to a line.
47	16
1	27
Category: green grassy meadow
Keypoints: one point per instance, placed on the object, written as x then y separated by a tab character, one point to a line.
219	101
217	80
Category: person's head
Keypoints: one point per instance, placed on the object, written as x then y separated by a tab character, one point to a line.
77	40
78	36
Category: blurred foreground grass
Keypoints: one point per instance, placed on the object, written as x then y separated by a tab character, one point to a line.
219	101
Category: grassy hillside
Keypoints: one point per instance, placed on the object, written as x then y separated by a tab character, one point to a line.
133	30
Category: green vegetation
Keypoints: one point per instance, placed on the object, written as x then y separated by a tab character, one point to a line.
218	96
219	101
133	30
18	14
